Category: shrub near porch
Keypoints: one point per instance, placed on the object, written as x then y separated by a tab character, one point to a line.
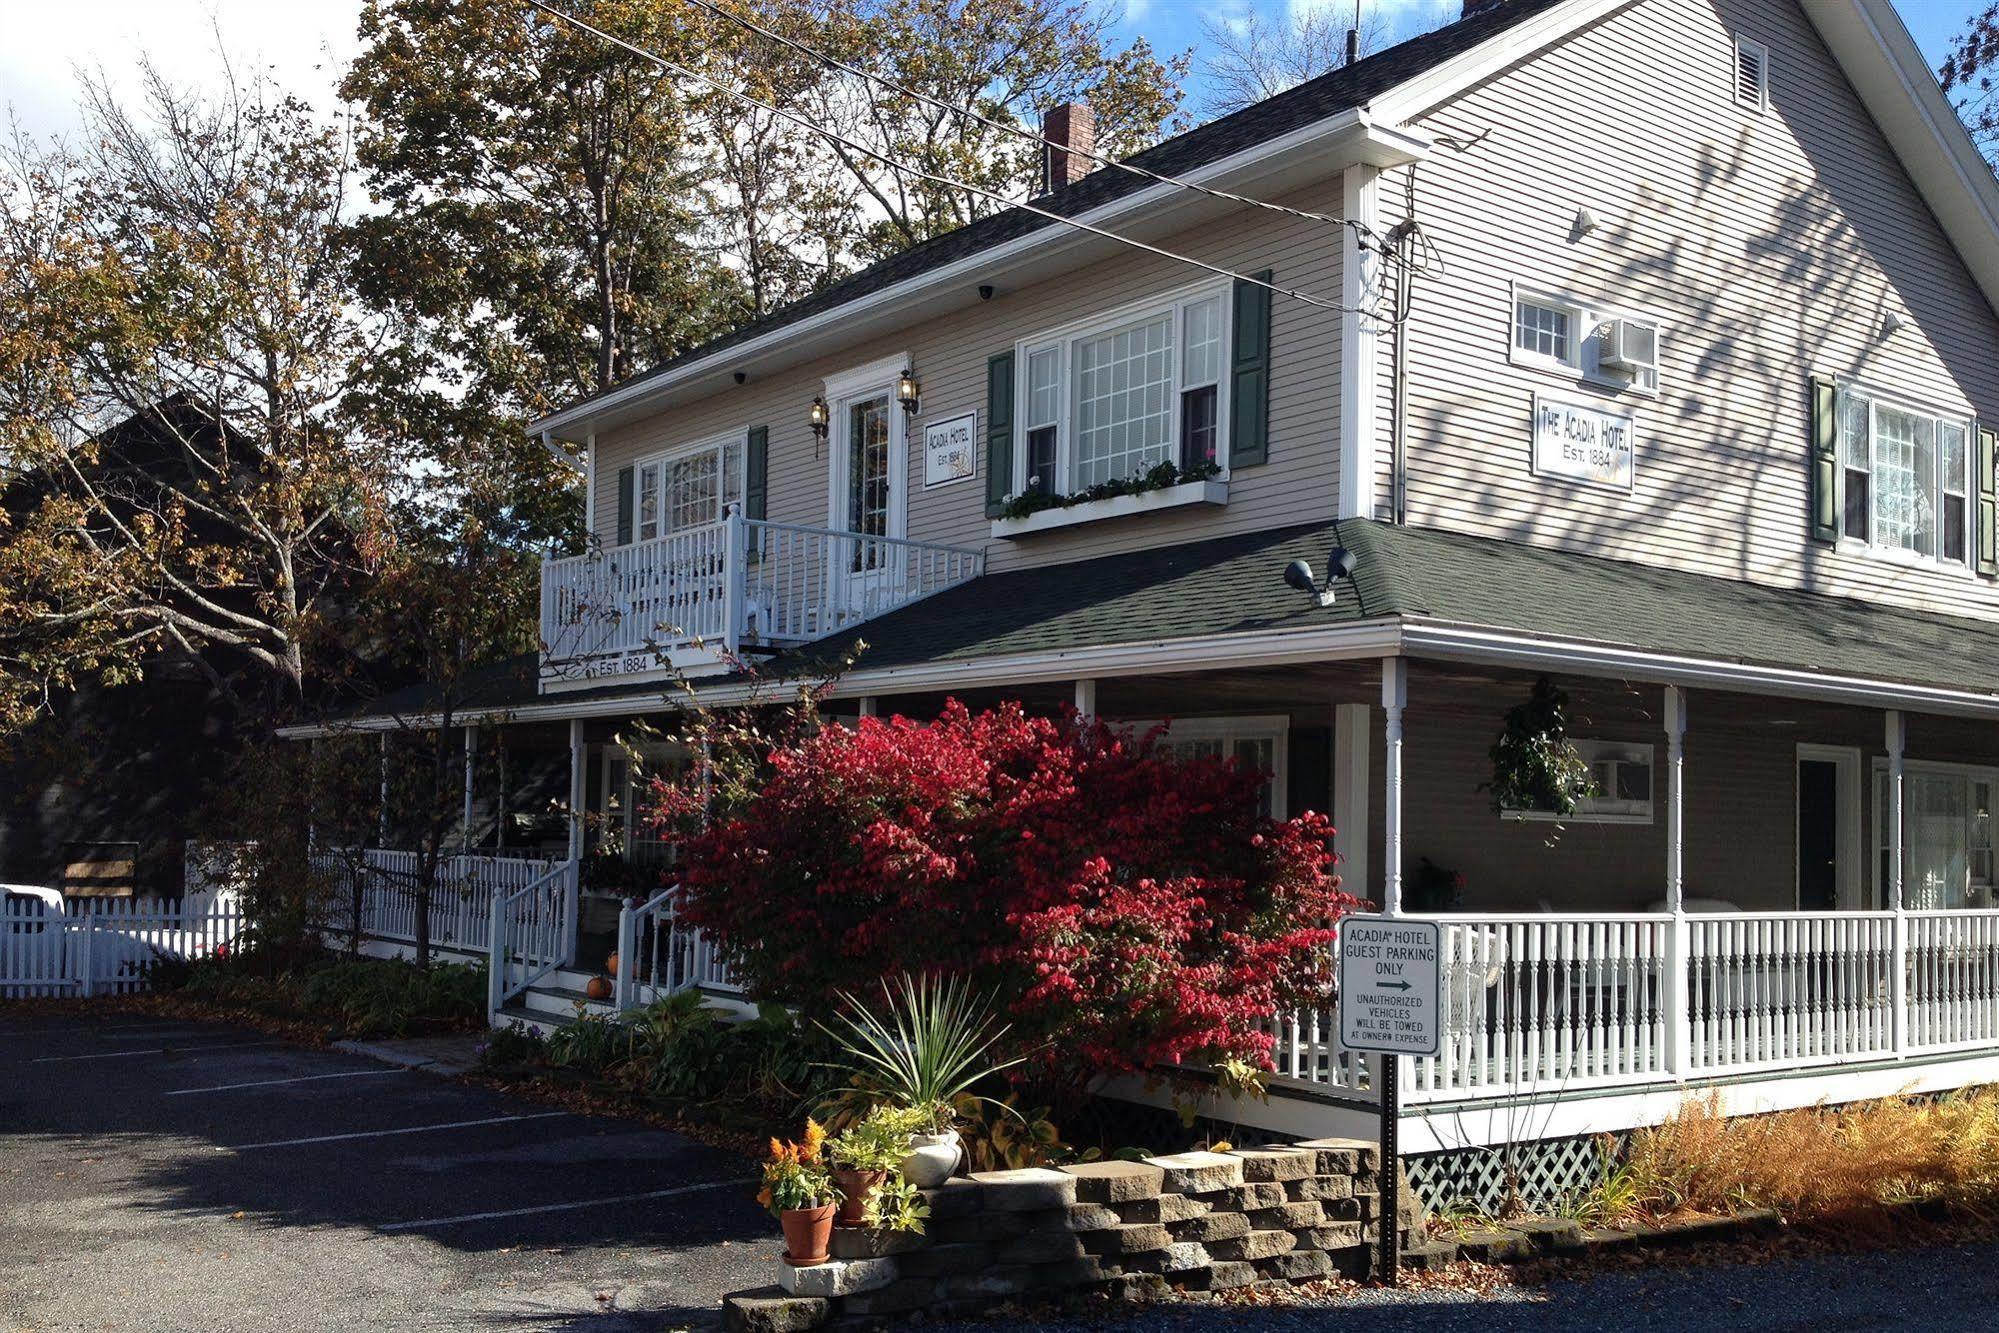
1131	907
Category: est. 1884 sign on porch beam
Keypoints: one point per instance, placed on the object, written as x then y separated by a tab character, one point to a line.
1391	996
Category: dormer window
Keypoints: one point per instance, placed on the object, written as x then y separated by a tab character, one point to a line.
1752	74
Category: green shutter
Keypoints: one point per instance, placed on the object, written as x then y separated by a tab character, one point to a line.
626	496
1825	461
1249	379
1987	463
1310	759
999	431
756	473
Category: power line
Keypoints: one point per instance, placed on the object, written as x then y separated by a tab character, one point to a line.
966	113
946	181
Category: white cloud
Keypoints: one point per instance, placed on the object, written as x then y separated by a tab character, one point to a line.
300	43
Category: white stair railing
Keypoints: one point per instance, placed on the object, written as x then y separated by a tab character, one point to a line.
533	932
658	954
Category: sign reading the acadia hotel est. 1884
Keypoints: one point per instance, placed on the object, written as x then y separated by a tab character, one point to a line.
1583	441
950	450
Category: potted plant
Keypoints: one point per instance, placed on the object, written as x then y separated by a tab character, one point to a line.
931	1042
896	1206
862	1156
800	1193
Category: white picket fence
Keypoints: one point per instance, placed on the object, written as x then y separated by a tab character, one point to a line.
105	946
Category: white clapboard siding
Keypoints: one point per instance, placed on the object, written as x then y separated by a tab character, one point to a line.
1771	245
948	355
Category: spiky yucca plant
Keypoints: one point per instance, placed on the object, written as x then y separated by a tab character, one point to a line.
926	1046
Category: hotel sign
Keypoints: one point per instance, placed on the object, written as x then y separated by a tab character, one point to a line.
950	450
1390	985
1586	442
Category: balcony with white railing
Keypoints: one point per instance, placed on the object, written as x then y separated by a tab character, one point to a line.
701	596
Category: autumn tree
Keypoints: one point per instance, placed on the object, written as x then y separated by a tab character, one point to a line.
1251	56
180	337
1971	74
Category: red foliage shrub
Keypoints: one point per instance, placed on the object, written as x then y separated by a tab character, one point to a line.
1130	907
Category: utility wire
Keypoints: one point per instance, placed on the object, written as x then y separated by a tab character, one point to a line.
966	113
947	181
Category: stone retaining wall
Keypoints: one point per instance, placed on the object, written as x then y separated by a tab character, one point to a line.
1192	1222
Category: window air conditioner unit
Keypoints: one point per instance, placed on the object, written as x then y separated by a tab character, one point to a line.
1631	347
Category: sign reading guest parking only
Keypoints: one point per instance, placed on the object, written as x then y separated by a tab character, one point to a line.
1390	978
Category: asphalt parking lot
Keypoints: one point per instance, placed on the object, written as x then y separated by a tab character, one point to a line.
173	1176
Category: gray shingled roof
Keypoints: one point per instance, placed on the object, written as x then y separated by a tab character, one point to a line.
1309	102
1233	585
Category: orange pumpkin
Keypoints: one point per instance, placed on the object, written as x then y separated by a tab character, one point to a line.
611	963
598	989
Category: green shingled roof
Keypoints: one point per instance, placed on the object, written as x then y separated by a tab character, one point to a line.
1234	585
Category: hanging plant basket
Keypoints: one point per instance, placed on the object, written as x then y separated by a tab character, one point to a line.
1534	767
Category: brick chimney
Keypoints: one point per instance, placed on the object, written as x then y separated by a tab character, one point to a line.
1071	132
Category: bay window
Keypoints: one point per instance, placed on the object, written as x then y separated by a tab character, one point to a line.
1113	399
1904	476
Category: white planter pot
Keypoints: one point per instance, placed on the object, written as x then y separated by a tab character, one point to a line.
932	1158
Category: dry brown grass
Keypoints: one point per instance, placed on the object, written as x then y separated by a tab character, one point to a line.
1816	1163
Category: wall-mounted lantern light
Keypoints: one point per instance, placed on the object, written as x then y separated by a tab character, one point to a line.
906	390
819	418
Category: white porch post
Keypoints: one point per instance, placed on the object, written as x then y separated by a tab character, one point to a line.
382	801
312	795
867	705
465	815
1353	726
576	789
1394	697
1898	978
734	582
500	764
1086	698
1679	1047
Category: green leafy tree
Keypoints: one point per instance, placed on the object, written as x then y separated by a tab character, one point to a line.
1969	74
180	339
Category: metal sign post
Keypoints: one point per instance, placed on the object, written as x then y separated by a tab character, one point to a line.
1391	1003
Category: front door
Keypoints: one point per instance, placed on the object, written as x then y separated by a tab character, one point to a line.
1818	835
867	501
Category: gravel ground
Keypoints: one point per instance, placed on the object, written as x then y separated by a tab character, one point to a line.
1943	1286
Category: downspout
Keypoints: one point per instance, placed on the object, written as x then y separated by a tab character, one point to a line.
1398	448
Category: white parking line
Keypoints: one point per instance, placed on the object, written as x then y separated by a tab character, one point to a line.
273	1082
385	1133
565	1207
164	1048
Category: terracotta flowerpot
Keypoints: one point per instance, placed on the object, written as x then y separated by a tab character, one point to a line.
932	1158
855	1187
599	988
611	963
807	1231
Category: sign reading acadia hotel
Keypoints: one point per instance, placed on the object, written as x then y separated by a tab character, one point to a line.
1390	985
1583	441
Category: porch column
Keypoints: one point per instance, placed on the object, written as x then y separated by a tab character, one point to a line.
382	801
575	788
866	705
1679	1044
312	795
500	761
1898	977
465	814
1394	697
1353	725
1086	698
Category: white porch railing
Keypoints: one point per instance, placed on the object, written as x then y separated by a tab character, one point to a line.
533	930
461	895
659	955
1538	1006
740	581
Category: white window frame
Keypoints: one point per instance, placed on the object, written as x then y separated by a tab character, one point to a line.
1275	728
1761	101
1580	367
1063	339
1605	809
1877	847
616	759
664	459
1870	545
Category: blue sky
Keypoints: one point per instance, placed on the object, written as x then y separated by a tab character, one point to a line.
303	42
